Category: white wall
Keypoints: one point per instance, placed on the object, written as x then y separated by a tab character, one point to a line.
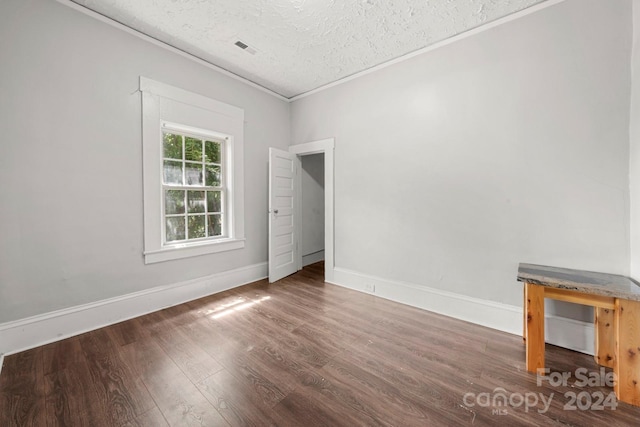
634	155
312	204
71	166
508	146
451	167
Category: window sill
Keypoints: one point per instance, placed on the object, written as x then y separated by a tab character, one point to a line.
191	250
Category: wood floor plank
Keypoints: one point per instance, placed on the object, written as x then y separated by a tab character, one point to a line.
235	400
266	334
216	340
216	303
22	395
154	323
436	392
178	399
270	386
194	362
413	334
329	336
124	333
440	389
302	409
61	354
383	397
124	396
72	399
152	418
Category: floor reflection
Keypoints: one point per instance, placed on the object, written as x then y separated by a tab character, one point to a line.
232	307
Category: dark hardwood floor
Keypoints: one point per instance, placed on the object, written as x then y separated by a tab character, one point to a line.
296	353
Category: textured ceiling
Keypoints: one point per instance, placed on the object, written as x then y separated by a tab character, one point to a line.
302	44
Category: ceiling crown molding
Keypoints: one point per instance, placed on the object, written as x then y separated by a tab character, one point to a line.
426	49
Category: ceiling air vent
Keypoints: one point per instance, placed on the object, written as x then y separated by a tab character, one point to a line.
245	47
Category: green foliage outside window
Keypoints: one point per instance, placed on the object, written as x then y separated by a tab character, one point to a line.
192	162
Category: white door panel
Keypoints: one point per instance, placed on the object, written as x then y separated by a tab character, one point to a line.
282	222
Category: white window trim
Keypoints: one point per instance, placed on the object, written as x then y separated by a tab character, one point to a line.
230	122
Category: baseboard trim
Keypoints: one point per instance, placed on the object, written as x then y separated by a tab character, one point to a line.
24	334
568	333
43	329
560	331
312	258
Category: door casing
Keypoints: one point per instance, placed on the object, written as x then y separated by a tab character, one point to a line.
326	147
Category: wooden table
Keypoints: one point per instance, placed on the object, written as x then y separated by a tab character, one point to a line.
617	319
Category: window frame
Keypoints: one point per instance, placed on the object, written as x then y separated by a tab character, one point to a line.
167	108
225	169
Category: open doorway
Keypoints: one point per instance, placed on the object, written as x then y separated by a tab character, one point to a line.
325	148
311	201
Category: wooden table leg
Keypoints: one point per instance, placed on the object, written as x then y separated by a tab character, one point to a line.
605	338
627	357
534	308
524	313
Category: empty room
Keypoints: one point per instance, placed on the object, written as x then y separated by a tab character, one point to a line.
319	213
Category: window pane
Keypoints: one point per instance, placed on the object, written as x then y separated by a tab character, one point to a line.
172	146
213	176
214	224
175	229
192	149
213	201
193	174
196	227
172	172
195	200
211	152
173	202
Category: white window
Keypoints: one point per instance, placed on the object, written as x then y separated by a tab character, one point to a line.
193	185
193	182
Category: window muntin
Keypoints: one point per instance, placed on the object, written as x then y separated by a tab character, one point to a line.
193	186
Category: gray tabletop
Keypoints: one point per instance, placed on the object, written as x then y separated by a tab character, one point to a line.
589	282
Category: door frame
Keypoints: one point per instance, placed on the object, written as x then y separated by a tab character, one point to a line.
326	147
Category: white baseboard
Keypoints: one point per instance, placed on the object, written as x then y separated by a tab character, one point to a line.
568	333
42	329
560	331
312	258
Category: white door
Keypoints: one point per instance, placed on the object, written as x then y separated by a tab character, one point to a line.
283	244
